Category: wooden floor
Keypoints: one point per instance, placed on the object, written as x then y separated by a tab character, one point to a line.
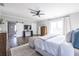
14	42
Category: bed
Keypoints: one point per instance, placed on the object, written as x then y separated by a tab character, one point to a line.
54	46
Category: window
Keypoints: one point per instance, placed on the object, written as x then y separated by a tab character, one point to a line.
56	27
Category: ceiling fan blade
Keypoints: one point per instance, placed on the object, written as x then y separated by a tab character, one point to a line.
41	14
32	10
36	15
36	12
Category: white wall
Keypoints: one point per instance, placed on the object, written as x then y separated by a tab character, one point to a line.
34	26
9	17
19	29
3	27
42	23
73	18
45	23
74	21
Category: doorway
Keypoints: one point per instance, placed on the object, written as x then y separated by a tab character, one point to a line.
15	33
12	34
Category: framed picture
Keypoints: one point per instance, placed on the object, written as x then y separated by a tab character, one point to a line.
27	27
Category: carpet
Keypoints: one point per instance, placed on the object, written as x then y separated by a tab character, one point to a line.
76	52
23	50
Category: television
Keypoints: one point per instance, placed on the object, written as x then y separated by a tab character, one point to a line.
27	27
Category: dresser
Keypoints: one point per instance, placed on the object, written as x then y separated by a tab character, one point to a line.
43	30
2	44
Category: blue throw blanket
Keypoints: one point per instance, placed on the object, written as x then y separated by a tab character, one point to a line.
74	39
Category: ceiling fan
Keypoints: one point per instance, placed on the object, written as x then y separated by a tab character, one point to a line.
36	12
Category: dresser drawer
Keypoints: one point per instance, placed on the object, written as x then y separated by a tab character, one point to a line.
2	44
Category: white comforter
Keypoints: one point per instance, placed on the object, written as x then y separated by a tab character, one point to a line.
55	46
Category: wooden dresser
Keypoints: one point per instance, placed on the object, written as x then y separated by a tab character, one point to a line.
2	44
43	30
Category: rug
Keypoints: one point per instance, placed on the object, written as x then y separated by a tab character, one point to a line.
76	52
23	50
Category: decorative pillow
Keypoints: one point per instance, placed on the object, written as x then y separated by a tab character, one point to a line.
48	36
69	36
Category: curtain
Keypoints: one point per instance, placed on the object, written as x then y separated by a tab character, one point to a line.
67	25
56	26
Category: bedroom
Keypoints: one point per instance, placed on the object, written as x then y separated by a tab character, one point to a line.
26	23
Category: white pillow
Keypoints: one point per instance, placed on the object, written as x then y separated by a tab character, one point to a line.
69	36
48	36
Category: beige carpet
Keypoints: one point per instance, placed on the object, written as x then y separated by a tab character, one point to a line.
76	52
23	50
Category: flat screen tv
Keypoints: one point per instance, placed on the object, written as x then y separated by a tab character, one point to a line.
27	27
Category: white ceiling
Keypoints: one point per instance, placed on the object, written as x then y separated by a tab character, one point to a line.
51	10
